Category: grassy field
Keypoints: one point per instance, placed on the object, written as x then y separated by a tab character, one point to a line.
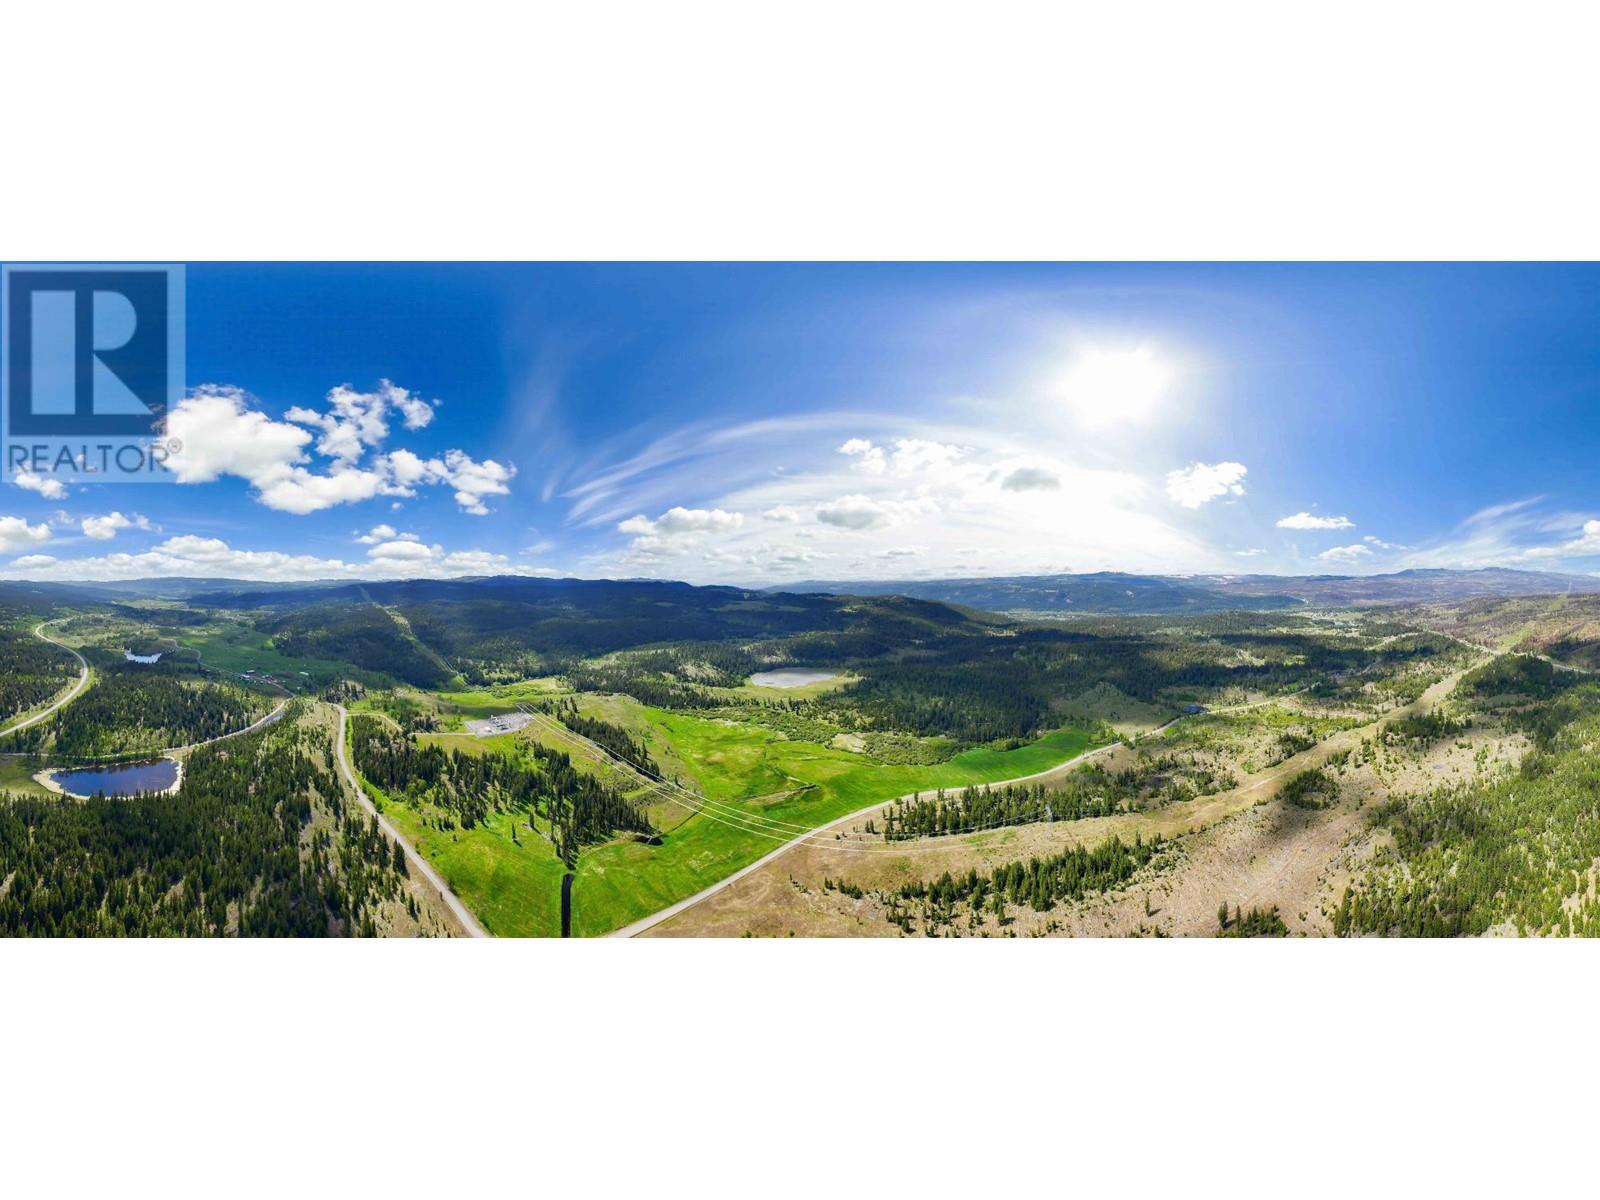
514	887
739	765
16	775
239	648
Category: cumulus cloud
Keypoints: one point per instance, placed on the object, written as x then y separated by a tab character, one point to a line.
786	514
358	421
1199	483
49	488
903	457
16	534
213	558
855	512
675	532
383	533
678	520
1305	520
471	479
1347	554
1031	479
103	529
220	433
398	551
869	458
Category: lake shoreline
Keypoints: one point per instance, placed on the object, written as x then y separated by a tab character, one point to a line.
46	779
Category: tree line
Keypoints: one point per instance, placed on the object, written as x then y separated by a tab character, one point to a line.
619	741
258	841
1091	792
139	710
1038	883
464	790
31	672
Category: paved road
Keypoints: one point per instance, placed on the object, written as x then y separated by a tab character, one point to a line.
83	681
458	909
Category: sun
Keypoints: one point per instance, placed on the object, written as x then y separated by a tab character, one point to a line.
1113	387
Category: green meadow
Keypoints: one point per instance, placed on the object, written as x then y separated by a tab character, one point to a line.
755	771
515	886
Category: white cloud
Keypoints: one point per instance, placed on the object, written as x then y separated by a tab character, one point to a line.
1031	479
358	421
869	458
399	551
300	491
383	533
814	497
220	434
678	520
1304	520
16	534
1381	544
475	480
103	529
1586	543
471	479
855	512
1199	483
675	532
49	488
212	558
1252	552
1348	554
906	457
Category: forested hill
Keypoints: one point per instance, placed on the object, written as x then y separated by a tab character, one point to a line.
511	627
1101	592
1111	592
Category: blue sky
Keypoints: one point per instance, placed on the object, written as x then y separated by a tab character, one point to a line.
752	424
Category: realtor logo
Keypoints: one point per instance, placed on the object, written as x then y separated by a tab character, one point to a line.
92	360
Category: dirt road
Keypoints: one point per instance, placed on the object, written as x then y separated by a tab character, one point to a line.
462	914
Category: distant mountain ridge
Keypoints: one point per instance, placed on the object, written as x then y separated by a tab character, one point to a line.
1116	592
1096	592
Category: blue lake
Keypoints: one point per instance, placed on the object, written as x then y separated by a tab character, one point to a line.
123	780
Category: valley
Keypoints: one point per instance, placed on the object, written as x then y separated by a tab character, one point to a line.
684	761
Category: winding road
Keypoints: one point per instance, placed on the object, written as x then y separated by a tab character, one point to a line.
457	909
83	680
65	697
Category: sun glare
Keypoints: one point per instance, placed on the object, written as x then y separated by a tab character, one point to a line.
1112	387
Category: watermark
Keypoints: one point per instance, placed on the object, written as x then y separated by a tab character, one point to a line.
91	360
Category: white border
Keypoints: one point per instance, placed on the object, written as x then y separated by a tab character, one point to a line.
1007	130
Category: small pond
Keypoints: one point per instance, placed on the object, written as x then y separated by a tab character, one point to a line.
791	677
122	780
